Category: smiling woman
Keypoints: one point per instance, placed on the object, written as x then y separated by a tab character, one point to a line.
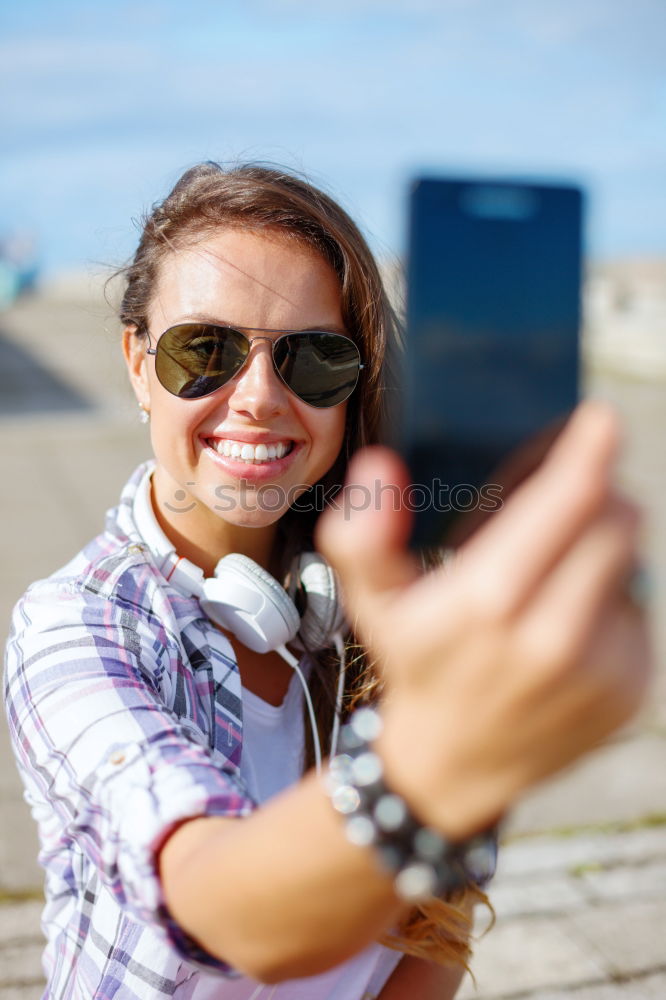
190	847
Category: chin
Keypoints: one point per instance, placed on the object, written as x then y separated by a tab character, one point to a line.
255	508
258	518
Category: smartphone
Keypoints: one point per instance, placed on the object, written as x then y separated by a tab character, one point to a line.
492	335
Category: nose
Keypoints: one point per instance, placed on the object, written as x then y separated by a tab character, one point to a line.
257	391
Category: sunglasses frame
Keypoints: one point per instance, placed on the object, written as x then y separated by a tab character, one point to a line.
250	340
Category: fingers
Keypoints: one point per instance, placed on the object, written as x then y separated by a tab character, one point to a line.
560	620
555	553
509	557
364	536
580	707
623	653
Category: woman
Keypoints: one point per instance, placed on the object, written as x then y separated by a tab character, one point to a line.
255	329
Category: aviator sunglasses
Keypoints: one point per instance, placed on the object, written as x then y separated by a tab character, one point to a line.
195	359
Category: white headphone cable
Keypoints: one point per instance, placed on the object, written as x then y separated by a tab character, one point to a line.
340	647
293	662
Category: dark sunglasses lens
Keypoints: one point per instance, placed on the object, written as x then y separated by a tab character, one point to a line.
195	359
321	368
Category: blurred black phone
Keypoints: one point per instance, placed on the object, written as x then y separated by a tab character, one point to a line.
491	354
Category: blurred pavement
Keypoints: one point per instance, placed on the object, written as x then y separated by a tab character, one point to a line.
581	893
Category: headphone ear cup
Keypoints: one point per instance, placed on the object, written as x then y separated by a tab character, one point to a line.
243	598
322	615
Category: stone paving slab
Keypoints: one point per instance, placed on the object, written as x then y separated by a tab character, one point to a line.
20	964
537	896
564	929
20	922
519	957
20	993
18	842
21	947
555	853
594	954
651	987
624	779
627	882
628	937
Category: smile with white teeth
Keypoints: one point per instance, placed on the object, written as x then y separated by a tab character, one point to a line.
251	453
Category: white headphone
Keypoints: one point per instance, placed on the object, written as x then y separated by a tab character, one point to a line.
245	599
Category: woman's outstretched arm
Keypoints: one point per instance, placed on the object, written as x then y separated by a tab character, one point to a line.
497	675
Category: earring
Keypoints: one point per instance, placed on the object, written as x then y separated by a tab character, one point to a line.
144	415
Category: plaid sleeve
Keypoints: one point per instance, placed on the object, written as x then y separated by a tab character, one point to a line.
96	741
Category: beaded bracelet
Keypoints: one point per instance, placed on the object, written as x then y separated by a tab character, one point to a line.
424	863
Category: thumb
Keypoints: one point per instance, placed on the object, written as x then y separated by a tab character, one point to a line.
364	536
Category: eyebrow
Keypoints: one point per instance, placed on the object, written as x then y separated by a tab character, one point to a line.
216	321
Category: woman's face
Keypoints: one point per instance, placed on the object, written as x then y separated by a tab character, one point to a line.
253	280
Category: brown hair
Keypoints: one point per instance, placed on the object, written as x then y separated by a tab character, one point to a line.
257	197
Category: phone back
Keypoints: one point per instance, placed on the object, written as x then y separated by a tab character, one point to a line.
493	310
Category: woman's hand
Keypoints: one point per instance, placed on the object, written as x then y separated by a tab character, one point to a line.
526	654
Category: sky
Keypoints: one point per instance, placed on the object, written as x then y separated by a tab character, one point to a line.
103	105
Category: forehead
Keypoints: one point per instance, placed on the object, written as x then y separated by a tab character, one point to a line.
250	278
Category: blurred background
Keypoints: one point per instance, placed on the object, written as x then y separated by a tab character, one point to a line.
103	106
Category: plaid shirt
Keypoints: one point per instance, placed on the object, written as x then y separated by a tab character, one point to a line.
124	707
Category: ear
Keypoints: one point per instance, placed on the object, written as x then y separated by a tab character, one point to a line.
134	350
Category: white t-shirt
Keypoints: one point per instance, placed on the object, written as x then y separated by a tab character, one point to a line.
271	761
